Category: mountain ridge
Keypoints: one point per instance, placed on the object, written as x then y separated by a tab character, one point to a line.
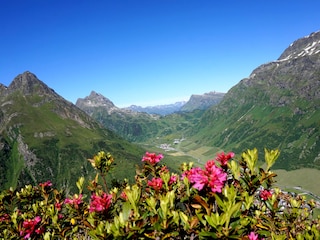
195	102
43	136
277	106
163	109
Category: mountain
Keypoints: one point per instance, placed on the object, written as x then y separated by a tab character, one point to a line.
43	136
196	102
202	102
136	126
277	106
133	126
159	109
141	124
96	100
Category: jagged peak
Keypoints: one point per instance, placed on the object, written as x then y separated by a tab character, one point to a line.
95	100
24	78
28	83
94	94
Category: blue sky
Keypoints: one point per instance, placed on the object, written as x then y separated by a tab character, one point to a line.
146	52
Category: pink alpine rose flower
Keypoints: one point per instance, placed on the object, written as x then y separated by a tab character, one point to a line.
253	236
213	177
100	203
75	201
30	227
152	158
210	164
265	194
199	177
46	184
173	179
223	158
58	206
155	183
217	178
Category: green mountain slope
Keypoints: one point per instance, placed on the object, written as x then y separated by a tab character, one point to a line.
278	106
46	137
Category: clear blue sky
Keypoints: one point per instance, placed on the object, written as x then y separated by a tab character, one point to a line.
146	52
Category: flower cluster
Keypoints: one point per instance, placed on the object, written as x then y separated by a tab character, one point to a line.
173	179
212	176
75	201
224	199
265	194
100	203
155	183
223	158
30	226
152	158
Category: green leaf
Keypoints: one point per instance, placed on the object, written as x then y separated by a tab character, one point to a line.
251	158
270	157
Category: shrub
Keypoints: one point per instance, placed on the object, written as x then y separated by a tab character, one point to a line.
228	198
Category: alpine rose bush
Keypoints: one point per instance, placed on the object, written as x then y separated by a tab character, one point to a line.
226	198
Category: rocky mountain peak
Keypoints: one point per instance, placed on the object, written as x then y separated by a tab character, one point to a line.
308	45
100	100
95	100
28	83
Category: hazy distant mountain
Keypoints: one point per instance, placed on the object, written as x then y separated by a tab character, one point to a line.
159	109
278	106
196	102
43	136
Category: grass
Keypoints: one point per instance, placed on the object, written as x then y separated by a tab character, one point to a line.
15	166
306	178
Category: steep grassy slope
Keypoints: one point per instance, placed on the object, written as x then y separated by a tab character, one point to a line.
278	106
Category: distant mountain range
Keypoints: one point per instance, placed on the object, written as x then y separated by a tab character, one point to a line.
138	124
196	102
43	136
159	109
